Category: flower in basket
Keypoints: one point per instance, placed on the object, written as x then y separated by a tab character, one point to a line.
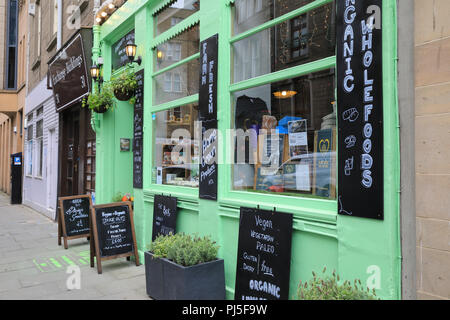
124	86
100	101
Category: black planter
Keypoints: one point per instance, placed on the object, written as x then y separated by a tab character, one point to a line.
123	96
101	109
167	280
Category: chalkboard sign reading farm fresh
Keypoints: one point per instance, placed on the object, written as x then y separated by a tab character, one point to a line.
164	216
113	233
73	220
264	255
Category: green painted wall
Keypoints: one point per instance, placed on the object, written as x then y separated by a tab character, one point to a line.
354	247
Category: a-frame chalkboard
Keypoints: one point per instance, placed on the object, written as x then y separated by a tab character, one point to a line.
112	232
73	218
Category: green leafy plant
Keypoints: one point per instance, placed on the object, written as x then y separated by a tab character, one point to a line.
331	288
100	100
124	83
185	250
117	197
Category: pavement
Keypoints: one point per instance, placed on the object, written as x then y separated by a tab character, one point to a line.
34	267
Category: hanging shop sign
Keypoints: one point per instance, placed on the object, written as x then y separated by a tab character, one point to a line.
73	219
264	255
164	216
119	54
113	233
360	108
208	116
138	141
69	75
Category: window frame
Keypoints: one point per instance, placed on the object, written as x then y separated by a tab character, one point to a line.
318	209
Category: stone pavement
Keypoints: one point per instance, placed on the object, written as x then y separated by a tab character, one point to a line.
34	267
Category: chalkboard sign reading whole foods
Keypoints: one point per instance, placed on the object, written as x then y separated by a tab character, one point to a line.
138	141
264	255
113	232
73	222
164	216
360	108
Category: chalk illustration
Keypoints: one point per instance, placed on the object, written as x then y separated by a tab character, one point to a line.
350	115
341	208
350	141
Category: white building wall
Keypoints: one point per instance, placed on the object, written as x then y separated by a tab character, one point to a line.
40	193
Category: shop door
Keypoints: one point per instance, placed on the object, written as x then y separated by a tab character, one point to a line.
71	162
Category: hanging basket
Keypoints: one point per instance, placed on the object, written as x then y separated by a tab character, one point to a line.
101	109
123	95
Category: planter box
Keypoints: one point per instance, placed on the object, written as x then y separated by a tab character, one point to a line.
167	280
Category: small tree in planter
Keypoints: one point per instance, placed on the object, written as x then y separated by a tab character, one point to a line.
100	101
124	86
183	267
331	288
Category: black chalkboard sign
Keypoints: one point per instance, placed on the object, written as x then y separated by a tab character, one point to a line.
113	233
264	255
73	220
138	141
119	54
208	164
208	78
164	216
360	108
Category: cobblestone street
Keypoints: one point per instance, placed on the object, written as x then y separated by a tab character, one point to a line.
34	267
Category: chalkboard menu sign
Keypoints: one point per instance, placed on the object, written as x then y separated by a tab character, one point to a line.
208	116
119	54
164	216
73	222
360	108
208	165
138	141
264	255
113	232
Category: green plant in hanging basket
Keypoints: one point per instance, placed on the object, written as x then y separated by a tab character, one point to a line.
124	86
100	101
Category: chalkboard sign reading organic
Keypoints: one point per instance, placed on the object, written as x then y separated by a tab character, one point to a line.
73	220
360	108
138	141
113	233
164	216
264	255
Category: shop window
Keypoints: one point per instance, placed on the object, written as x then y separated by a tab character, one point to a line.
39	146
286	136
178	48
29	144
304	38
176	146
175	13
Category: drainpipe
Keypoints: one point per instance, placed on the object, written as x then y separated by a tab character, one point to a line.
96	51
60	24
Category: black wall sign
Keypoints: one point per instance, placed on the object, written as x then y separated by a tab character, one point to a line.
360	108
264	255
208	78
138	141
119	55
208	116
209	159
114	230
164	216
75	212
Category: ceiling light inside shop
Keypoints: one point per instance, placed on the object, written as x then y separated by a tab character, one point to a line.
285	94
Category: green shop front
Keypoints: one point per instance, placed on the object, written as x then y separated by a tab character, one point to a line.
301	100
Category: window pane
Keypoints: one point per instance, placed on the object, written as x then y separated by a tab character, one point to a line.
303	39
41	155
184	45
186	83
176	146
176	13
30	132
252	13
285	137
39	129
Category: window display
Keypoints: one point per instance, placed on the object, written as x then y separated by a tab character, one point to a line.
176	146
286	136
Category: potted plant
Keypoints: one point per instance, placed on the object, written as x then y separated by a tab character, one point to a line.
332	288
100	101
124	86
184	267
